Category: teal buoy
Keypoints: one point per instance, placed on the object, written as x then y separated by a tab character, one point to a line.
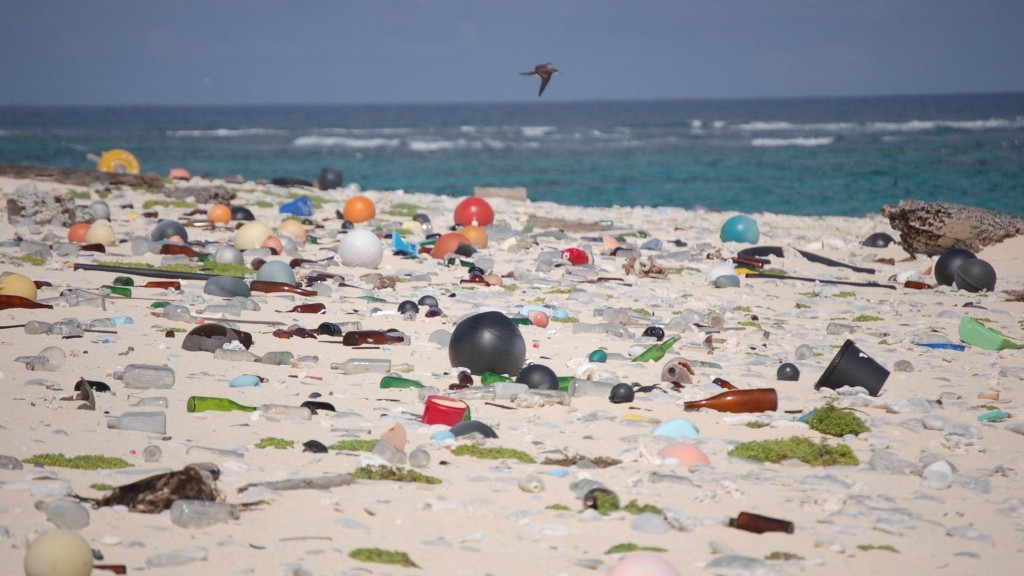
598	356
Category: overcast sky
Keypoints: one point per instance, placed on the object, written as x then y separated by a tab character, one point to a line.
257	51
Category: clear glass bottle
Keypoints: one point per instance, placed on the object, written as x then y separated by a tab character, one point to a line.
201	513
154	422
146	376
578	387
363	366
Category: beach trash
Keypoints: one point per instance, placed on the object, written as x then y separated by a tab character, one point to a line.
78	231
759	524
685	454
360	248
643	564
467	427
787	372
101	233
977	334
251	235
576	256
59	553
677	428
118	161
179	174
329	179
947	264
739	401
621	393
474	210
538	377
852	367
165	229
975	275
487	342
211	337
740	228
443	410
301	206
227	286
219	213
477	236
359	209
14	284
242	213
878	240
452	243
276	271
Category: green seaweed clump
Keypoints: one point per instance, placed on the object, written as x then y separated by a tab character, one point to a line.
393	473
886	547
278	443
557	507
354	445
493	453
604	501
83	462
101	487
633	507
798	447
837	422
381	556
777	555
867	318
630	547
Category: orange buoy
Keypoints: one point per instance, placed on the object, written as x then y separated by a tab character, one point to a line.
477	235
359	209
448	244
219	213
179	174
77	232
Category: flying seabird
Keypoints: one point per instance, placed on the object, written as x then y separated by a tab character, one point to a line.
545	71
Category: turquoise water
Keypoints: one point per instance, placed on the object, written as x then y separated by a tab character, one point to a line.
813	156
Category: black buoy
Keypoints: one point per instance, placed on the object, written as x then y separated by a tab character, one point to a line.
487	342
947	264
788	372
621	393
329	179
538	377
428	301
878	240
656	332
975	275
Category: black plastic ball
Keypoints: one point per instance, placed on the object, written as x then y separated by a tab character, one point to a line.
471	426
947	264
656	332
408	307
428	301
346	225
487	342
242	213
167	228
621	393
976	275
788	372
878	240
329	179
538	377
421	218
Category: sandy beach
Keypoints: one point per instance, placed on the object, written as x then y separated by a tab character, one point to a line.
935	490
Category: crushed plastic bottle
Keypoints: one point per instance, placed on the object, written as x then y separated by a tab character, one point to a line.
201	513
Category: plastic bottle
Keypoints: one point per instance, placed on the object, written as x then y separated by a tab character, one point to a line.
760	524
363	365
474	393
419	458
578	387
37	327
234	355
154	422
537	398
65	513
146	376
387	452
279	358
283	410
201	513
178	313
656	352
157	401
506	390
739	401
208	403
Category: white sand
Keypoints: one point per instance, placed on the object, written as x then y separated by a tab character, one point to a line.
478	521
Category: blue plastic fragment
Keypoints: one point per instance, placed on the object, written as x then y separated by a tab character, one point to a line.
442	435
301	206
993	416
942	346
401	247
677	428
243	381
805	417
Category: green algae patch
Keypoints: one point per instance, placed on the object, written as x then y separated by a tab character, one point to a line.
393	473
403	209
213	268
783	556
867	318
796	447
381	556
101	487
870	547
148	204
276	443
835	421
354	445
83	462
633	507
604	501
631	547
560	507
493	453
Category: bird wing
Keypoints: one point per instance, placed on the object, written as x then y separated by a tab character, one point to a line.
544	79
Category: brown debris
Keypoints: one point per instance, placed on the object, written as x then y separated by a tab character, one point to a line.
931	228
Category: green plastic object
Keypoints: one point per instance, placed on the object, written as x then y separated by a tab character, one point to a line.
656	352
993	416
977	334
210	403
399	382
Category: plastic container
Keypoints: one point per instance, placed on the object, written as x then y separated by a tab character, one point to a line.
578	387
153	422
363	366
146	376
201	513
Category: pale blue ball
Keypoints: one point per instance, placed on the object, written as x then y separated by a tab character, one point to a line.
276	271
740	228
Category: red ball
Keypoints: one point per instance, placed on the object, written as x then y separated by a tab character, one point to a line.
474	208
576	256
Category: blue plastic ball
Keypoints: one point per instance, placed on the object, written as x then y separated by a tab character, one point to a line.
276	271
740	228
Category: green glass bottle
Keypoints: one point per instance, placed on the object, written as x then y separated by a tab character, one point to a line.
656	352
119	290
488	378
208	403
563	383
392	381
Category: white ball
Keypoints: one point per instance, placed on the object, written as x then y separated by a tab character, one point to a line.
360	248
251	235
58	553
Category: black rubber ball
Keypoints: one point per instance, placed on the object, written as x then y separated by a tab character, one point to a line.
408	307
946	265
421	218
428	301
242	213
538	377
487	342
878	240
471	426
788	372
621	393
976	275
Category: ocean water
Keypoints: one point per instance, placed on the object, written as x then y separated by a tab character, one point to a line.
809	156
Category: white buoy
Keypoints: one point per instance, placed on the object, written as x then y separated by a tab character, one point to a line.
360	248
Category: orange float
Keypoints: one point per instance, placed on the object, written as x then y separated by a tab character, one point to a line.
77	232
179	174
477	235
219	213
448	244
359	209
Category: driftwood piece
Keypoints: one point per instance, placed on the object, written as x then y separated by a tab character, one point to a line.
79	177
931	228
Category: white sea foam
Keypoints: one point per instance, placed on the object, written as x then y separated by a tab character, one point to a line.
225	133
362	131
776	142
536	131
926	125
345	142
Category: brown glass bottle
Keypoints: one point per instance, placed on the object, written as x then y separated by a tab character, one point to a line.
314	308
179	249
753	400
760	524
267	287
369	337
8	301
166	284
